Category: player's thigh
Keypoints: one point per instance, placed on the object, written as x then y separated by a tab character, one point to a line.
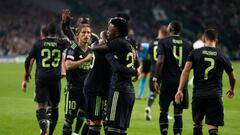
41	92
94	105
184	104
167	94
55	93
119	109
198	110
215	113
146	66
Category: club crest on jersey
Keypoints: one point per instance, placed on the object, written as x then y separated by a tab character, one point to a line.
80	56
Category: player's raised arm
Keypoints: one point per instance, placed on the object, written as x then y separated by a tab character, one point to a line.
183	79
66	28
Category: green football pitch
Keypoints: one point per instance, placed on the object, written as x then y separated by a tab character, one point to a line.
17	110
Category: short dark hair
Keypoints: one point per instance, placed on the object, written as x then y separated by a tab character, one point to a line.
125	16
44	30
52	28
211	34
176	27
121	25
84	20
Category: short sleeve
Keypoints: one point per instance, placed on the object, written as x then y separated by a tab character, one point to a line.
33	51
161	50
191	56
70	54
227	65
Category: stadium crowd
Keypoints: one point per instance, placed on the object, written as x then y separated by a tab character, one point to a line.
20	26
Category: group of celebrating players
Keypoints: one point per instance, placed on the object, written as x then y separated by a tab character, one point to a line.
100	72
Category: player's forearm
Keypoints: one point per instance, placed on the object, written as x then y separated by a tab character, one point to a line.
101	48
28	67
119	68
73	64
183	80
31	65
124	70
158	66
68	31
232	80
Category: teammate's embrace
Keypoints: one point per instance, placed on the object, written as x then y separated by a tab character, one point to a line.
47	53
208	64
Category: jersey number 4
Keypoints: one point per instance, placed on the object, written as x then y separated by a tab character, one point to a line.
47	55
179	56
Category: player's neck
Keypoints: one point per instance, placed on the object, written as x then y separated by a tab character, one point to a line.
210	44
83	46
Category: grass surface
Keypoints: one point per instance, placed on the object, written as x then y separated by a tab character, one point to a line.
17	110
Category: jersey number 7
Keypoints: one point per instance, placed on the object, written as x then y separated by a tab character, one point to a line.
212	64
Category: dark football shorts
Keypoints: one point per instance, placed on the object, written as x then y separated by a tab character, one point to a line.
48	91
94	106
119	109
167	95
211	108
146	64
74	102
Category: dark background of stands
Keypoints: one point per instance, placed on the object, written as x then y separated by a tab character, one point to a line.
20	20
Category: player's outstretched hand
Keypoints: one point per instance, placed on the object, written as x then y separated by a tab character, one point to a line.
230	93
103	36
179	97
66	16
156	88
24	86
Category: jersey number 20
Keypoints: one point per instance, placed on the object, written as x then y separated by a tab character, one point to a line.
48	54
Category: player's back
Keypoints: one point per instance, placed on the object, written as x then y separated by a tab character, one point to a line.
48	55
176	50
209	64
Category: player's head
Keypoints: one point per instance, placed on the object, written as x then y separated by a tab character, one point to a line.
83	20
43	32
162	32
84	34
123	15
210	36
52	29
117	27
174	28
